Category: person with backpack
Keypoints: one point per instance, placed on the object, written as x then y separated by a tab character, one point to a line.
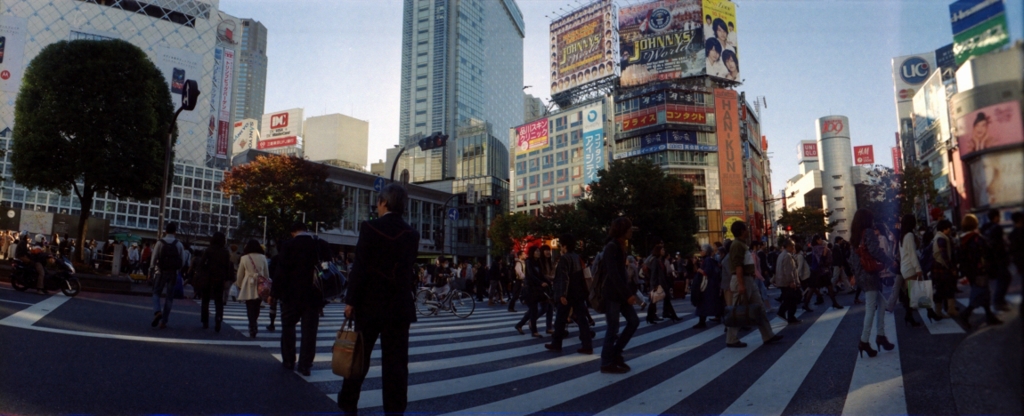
214	269
910	269
300	299
251	267
570	292
169	254
975	265
616	297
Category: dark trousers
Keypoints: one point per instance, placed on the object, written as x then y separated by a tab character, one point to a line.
531	315
614	342
215	291
291	314
394	345
578	316
981	297
252	311
517	288
547	309
790	300
1002	277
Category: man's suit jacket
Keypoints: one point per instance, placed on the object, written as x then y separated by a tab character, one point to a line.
294	281
380	288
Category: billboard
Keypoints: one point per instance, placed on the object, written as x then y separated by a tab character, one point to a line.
995	179
660	40
667	140
989	128
281	129
897	159
593	141
834	126
864	155
244	136
178	65
807	150
584	46
720	48
909	72
930	107
730	162
979	27
224	110
531	136
12	52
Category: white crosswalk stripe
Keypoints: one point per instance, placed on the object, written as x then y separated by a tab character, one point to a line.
481	365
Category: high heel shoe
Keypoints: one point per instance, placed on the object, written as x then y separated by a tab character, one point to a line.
883	342
913	323
866	347
932	316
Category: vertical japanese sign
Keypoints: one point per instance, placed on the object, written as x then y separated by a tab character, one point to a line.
593	142
730	155
216	78
897	160
864	155
12	53
224	112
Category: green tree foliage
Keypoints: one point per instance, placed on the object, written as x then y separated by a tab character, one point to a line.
659	205
556	220
91	117
507	229
892	195
806	222
281	188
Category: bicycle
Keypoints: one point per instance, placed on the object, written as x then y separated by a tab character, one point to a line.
457	302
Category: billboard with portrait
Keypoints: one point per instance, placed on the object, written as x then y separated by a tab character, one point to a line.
179	65
995	179
531	136
721	52
660	40
989	128
730	159
584	46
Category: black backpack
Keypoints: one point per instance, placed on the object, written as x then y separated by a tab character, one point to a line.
170	257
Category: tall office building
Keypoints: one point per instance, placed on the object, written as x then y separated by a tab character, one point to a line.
251	86
462	64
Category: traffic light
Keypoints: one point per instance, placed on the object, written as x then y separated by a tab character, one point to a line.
434	141
491	201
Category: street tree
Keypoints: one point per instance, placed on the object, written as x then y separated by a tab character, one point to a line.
805	222
282	188
892	195
660	206
556	220
508	230
91	117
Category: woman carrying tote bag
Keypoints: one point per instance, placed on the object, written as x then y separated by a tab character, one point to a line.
251	267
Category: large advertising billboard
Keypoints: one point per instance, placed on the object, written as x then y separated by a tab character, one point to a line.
990	128
224	110
667	140
661	40
179	65
995	179
531	136
281	129
12	52
720	47
593	141
244	136
584	46
807	150
979	27
909	72
730	160
864	155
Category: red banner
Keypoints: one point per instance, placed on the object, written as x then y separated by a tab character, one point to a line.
643	119
222	137
730	156
864	155
897	160
682	116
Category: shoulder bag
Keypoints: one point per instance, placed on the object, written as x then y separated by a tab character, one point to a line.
347	354
743	313
867	262
263	283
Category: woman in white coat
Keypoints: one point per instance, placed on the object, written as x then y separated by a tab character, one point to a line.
251	266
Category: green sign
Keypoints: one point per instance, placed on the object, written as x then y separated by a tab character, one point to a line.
983	38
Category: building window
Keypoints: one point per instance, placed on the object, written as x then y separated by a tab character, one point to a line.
700	198
702	222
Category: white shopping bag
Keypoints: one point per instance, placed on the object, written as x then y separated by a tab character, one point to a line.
920	293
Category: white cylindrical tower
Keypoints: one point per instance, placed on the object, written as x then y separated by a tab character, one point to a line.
838	193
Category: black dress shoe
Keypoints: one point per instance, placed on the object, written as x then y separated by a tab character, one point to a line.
794	321
614	369
773	340
736	345
288	366
585	351
304	371
552	348
270	327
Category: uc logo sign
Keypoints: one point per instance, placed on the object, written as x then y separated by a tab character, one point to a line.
914	70
831	126
592	116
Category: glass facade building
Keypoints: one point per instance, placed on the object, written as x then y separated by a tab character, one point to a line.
251	85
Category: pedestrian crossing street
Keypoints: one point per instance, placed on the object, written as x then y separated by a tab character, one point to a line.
482	365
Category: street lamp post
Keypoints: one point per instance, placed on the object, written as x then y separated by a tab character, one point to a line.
189	96
264	217
316	227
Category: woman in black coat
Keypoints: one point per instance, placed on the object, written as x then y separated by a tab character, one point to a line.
214	270
535	284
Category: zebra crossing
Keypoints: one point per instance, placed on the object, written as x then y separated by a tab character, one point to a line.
481	365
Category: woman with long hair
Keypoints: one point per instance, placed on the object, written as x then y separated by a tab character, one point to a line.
251	267
868	251
910	269
619	297
534	284
215	268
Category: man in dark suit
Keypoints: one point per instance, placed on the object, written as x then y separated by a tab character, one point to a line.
300	300
380	299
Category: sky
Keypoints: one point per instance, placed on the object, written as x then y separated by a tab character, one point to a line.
808	59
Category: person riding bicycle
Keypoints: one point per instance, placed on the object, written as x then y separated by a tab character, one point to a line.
442	279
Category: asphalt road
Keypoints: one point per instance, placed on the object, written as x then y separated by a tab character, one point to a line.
96	353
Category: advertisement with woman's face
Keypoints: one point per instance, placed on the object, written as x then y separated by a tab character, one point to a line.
991	127
995	178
